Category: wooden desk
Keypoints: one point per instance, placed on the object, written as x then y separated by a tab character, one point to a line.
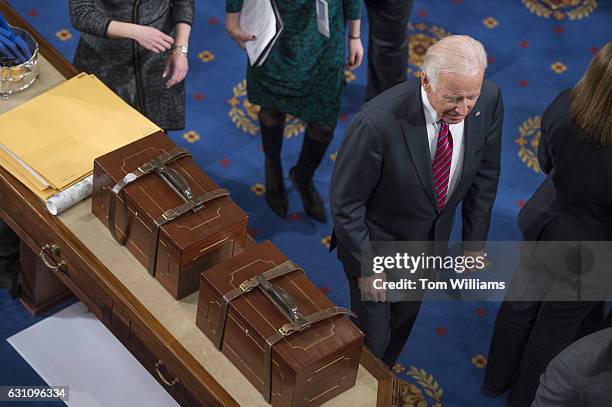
158	330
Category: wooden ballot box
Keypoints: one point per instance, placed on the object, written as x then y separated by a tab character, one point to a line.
278	329
167	211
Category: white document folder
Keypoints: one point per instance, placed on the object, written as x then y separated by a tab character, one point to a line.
260	18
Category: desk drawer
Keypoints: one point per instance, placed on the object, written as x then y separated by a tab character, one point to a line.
163	366
59	257
157	351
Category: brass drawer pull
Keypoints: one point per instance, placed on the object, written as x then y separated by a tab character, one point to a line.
54	250
170	384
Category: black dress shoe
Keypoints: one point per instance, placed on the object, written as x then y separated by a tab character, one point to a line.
276	196
313	204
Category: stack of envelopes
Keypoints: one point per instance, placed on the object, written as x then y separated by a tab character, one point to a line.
50	142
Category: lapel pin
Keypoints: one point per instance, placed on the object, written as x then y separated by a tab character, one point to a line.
477	114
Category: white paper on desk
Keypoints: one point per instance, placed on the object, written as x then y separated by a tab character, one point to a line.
257	18
73	348
70	196
43	182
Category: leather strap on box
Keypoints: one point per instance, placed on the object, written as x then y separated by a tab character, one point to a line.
298	321
244	287
171	214
289	329
146	168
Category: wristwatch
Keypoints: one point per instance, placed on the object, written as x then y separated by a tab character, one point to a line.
180	49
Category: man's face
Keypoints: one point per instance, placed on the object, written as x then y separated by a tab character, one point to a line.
454	96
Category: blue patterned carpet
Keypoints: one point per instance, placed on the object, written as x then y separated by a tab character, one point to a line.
534	53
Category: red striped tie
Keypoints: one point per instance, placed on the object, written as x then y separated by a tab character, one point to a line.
442	164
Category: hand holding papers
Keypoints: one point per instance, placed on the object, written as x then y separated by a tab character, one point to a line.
261	19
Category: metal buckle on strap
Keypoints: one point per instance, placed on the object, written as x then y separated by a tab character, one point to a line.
145	168
287	329
293	327
248	285
150	165
197	206
169	214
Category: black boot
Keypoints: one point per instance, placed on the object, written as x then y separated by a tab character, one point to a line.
315	145
276	196
313	204
272	124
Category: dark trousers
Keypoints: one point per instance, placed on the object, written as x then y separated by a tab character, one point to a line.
387	44
386	325
527	336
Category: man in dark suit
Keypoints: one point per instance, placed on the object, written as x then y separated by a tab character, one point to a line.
409	157
580	376
387	44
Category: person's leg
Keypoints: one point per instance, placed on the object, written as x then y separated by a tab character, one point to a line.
316	140
557	326
372	319
272	125
403	316
513	326
387	44
593	321
514	323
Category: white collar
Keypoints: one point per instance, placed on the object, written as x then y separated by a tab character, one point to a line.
431	116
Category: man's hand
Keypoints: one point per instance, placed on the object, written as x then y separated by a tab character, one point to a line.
177	65
368	292
473	254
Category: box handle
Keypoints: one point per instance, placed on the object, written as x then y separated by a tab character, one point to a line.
282	301
176	181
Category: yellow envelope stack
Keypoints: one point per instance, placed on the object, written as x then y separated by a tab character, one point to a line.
50	142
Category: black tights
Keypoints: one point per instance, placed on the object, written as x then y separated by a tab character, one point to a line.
316	140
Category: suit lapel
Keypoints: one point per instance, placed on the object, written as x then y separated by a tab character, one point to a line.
415	134
472	139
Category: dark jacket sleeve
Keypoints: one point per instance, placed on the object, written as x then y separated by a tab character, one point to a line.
183	11
233	6
89	16
544	154
478	202
352	9
356	173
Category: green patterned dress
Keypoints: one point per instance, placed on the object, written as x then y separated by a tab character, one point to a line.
304	72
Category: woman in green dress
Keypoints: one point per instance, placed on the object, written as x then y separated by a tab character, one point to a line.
303	76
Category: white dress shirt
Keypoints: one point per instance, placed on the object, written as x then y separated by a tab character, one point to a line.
433	128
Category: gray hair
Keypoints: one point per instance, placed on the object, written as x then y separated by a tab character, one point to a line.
455	54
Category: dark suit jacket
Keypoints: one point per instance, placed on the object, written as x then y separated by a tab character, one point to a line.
575	201
580	376
382	184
